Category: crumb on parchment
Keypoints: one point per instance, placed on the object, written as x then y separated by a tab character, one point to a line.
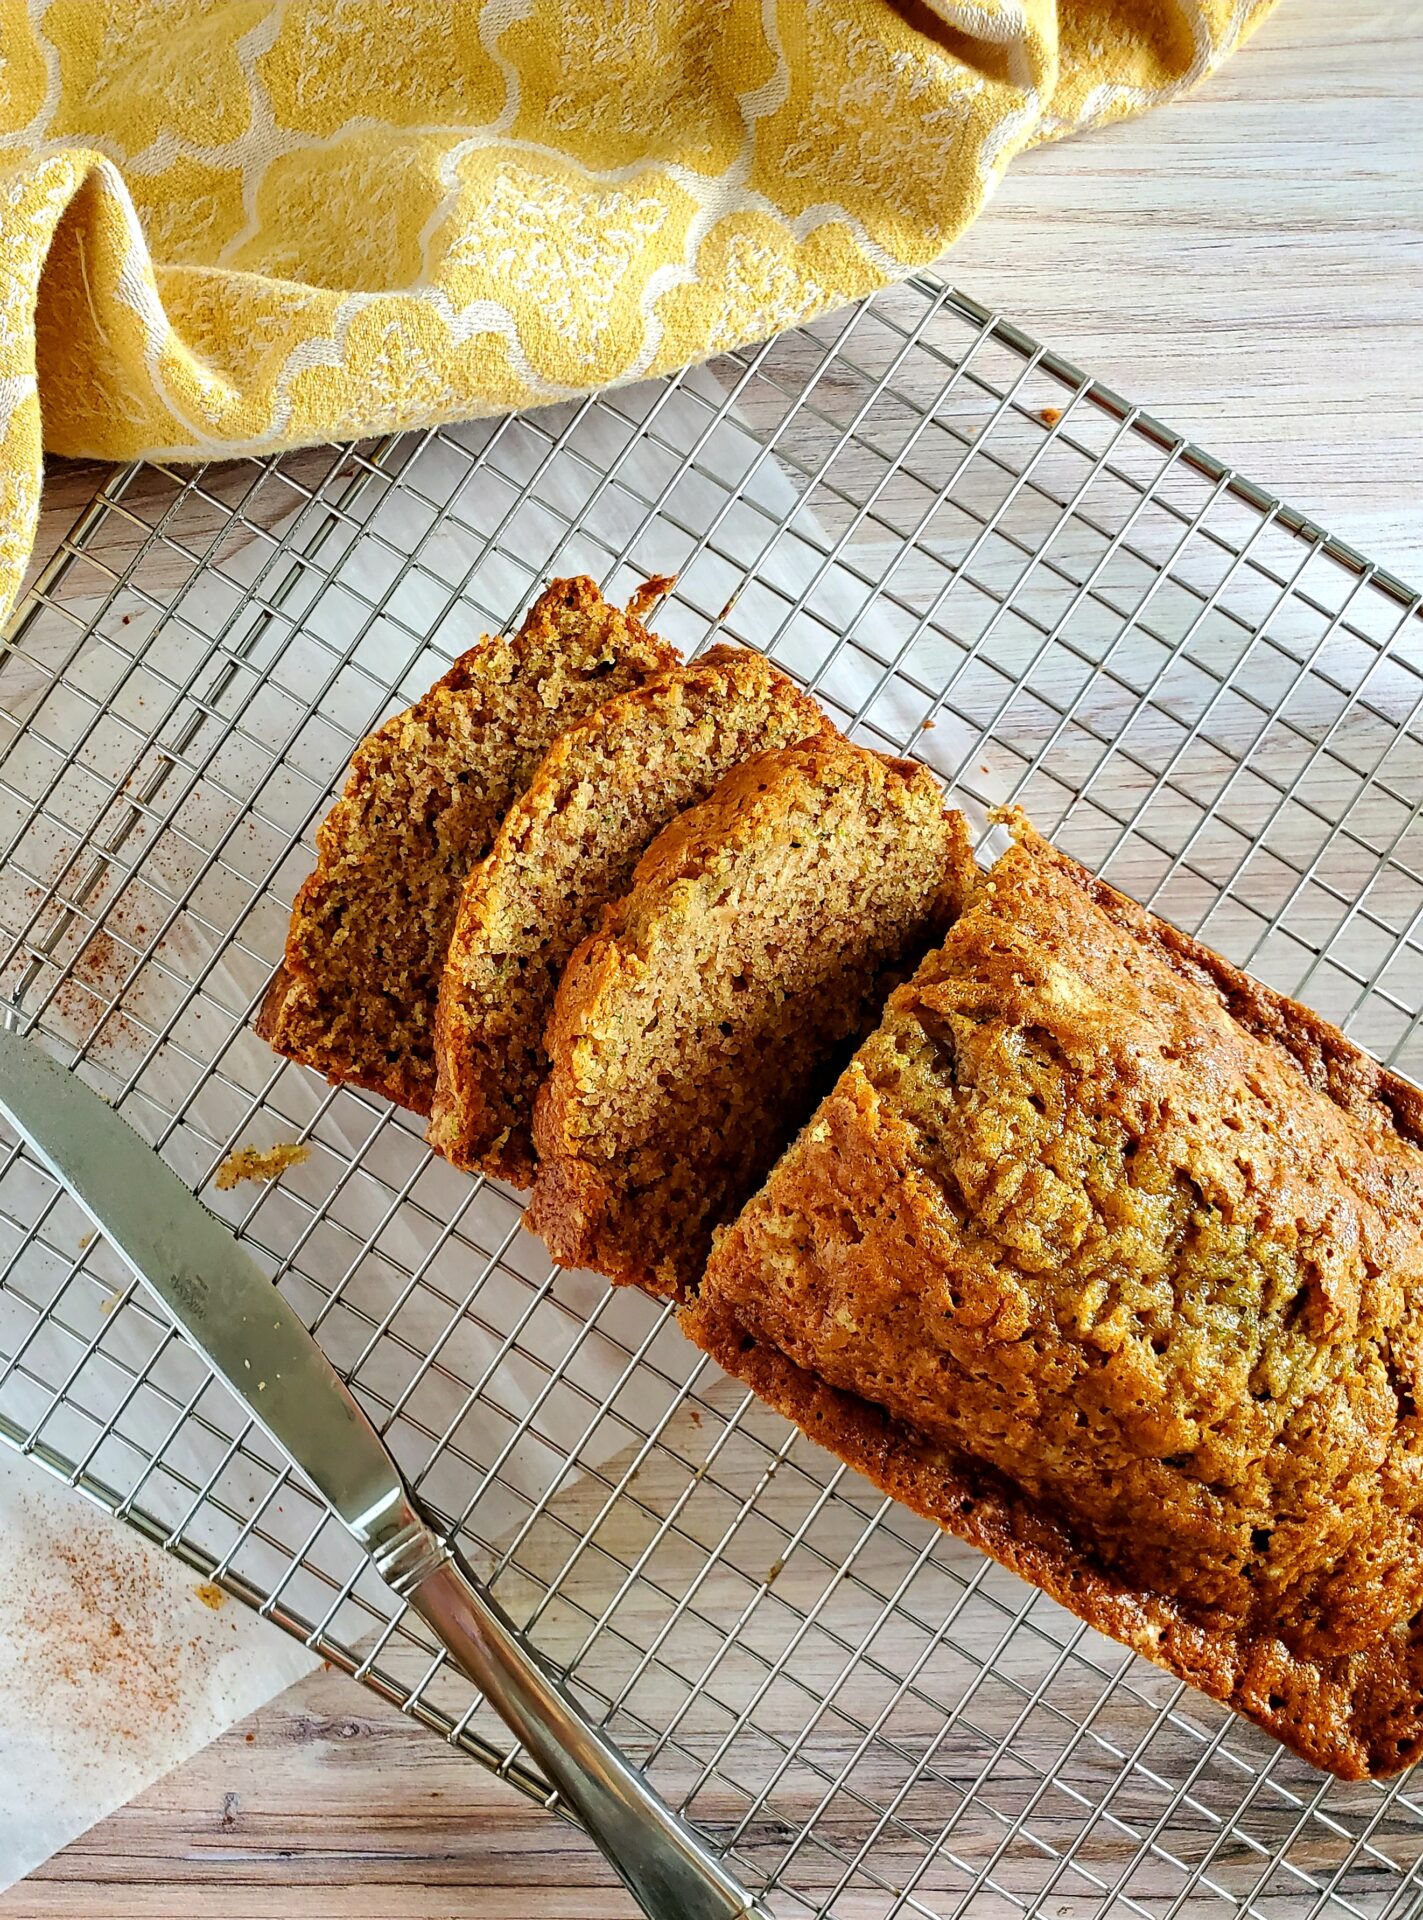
210	1594
261	1163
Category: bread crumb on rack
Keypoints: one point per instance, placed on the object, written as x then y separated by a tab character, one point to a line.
1049	415
653	589
261	1163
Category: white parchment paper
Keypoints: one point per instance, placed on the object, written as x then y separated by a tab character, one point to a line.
115	1665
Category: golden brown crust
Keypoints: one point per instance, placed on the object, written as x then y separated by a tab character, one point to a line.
354	997
1348	1719
1325	1058
1104	1256
568	846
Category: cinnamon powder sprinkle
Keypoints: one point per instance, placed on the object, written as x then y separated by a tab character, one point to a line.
100	1624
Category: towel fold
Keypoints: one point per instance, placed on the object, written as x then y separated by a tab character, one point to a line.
230	226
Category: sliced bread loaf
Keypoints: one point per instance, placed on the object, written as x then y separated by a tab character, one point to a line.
697	1027
355	995
1107	1257
569	845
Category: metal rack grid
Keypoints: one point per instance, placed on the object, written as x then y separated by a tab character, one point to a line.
972	553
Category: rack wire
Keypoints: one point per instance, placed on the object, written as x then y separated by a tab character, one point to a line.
972	553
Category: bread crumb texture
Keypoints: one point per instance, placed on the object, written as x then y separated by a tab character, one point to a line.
696	1028
355	996
260	1163
1109	1259
567	847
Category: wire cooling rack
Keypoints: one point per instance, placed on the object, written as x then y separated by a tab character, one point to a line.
973	554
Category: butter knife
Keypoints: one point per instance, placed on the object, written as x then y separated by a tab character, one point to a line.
258	1346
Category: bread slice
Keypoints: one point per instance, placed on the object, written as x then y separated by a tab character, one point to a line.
696	1028
1108	1259
569	845
355	995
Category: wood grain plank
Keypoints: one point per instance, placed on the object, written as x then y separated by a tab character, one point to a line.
1248	265
284	1814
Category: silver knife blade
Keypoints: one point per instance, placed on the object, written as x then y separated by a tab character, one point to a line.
229	1309
250	1337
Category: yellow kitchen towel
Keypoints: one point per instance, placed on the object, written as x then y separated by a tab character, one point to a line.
228	226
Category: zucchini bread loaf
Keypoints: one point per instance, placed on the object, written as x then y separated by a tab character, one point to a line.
355	995
566	848
694	1030
1111	1260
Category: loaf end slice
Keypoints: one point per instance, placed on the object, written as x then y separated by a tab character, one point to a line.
568	846
696	1028
1108	1258
355	995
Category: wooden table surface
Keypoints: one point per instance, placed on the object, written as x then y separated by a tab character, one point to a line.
1247	264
